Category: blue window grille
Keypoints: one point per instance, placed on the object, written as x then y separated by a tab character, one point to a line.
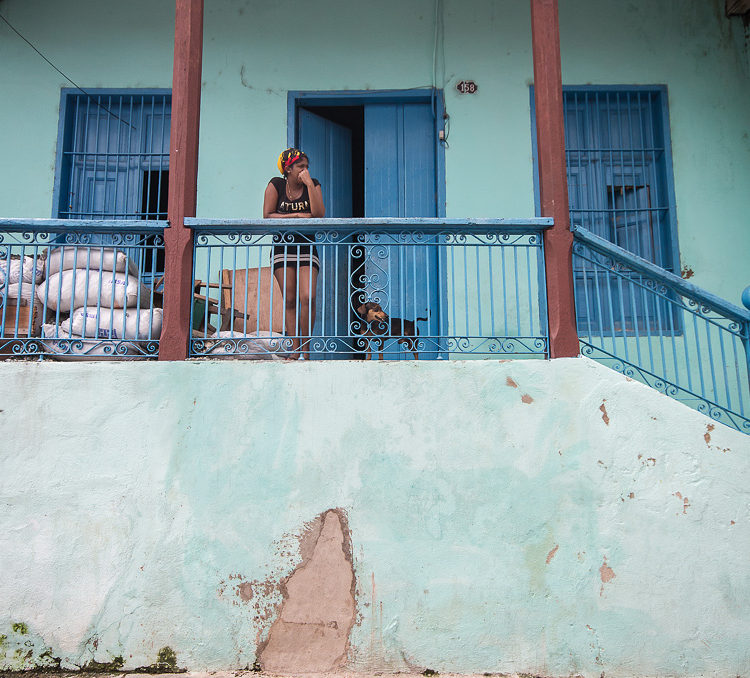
115	155
620	188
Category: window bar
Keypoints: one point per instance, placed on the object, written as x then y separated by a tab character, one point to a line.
403	267
118	207
636	315
254	259
390	251
415	248
661	258
297	314
634	182
709	343
724	367
105	154
688	362
740	381
162	159
453	285
79	202
466	291
529	288
671	308
623	322
428	277
518	291
493	330
478	294
585	280
698	353
310	294
129	161
505	289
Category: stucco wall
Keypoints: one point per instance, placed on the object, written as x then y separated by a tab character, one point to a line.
251	61
544	517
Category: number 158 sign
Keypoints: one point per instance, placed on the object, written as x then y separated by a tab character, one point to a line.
467	87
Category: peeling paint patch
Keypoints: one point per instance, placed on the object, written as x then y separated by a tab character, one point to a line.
552	553
311	634
526	398
687	272
603	409
607	574
707	434
510	382
685	502
245	591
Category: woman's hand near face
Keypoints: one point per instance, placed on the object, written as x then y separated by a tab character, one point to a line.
305	178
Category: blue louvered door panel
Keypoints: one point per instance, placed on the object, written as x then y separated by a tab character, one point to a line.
400	181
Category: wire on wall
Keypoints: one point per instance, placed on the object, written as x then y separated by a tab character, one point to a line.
78	87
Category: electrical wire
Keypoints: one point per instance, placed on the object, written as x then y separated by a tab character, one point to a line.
78	87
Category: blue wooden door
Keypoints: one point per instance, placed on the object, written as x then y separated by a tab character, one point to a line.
329	147
401	181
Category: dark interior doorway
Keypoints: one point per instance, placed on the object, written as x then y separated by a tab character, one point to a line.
353	118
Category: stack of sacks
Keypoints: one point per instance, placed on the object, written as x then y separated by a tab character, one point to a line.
101	291
18	275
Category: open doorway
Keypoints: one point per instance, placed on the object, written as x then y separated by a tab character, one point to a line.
377	155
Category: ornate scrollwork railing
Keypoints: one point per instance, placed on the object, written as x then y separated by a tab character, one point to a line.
80	289
385	288
653	326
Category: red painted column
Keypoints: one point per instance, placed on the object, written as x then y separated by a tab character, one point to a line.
183	174
553	182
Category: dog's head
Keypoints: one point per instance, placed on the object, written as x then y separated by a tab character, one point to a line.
371	312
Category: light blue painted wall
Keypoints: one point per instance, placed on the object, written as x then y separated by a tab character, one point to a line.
487	502
249	64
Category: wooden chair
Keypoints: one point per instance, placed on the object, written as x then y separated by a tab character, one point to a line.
246	296
200	327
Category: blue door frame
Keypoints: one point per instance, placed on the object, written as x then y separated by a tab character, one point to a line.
298	98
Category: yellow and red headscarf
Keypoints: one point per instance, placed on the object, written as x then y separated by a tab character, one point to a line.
288	158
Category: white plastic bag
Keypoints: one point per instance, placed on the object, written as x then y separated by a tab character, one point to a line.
92	257
262	345
71	349
106	323
18	269
114	290
16	291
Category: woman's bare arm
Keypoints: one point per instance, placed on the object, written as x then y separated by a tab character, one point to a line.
317	208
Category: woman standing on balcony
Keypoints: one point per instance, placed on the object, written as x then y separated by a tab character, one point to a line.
295	263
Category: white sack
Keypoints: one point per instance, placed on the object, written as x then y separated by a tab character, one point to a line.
16	291
262	345
116	290
91	257
87	349
14	270
108	323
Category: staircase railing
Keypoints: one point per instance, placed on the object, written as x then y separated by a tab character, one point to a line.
653	326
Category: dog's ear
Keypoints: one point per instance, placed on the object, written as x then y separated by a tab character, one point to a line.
361	310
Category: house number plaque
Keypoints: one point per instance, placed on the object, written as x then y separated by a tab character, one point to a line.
467	87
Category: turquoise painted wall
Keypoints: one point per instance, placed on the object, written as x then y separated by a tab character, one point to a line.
551	518
249	65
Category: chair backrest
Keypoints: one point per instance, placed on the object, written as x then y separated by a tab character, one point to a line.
251	292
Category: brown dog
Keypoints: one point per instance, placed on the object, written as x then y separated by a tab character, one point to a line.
379	324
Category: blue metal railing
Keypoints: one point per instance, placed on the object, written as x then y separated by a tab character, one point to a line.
80	289
653	326
408	288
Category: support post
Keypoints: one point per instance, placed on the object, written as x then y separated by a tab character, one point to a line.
553	183
183	176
